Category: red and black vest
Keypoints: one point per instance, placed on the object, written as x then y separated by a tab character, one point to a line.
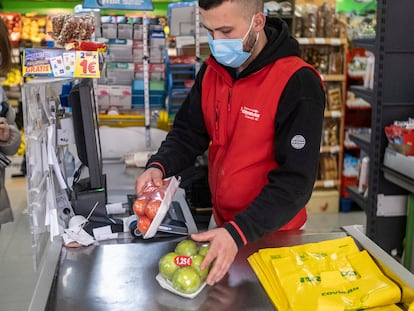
240	119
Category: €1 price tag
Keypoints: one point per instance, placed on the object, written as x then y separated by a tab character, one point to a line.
87	64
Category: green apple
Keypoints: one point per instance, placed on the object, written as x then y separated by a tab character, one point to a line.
196	263
203	249
186	280
167	266
186	248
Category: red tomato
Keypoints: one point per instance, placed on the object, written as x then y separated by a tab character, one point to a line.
152	208
143	224
139	206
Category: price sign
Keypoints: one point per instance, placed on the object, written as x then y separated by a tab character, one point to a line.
183	261
87	64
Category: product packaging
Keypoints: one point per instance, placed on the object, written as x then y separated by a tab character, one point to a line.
152	206
179	270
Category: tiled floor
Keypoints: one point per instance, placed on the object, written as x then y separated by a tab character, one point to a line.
16	269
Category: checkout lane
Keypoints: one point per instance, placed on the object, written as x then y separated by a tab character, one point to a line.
120	274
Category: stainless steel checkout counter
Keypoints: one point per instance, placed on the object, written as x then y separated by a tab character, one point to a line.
120	274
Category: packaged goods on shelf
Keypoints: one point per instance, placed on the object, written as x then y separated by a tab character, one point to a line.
317	21
14	24
156	71
400	136
119	50
119	72
114	96
399	154
328	167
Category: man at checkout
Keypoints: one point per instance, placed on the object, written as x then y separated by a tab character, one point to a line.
258	109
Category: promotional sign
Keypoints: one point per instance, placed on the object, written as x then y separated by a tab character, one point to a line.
60	63
139	5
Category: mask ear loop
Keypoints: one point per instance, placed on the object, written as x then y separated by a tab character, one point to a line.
257	35
250	28
255	42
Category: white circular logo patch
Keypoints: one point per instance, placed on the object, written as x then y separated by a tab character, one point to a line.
298	142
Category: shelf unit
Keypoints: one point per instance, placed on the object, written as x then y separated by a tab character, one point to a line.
391	99
331	152
287	16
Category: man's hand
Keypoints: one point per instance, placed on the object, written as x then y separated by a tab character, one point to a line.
4	129
151	175
222	252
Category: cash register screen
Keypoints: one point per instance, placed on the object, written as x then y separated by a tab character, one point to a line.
86	130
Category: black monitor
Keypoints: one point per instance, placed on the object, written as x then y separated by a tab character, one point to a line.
86	130
89	187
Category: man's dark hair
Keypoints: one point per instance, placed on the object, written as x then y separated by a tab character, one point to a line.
253	5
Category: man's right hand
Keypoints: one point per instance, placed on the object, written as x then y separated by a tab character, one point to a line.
150	175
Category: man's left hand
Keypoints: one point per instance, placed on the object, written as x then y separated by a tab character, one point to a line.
222	252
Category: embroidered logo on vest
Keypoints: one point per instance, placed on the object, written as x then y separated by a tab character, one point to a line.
298	142
251	114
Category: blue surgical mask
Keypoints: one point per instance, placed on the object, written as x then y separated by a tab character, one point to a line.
229	52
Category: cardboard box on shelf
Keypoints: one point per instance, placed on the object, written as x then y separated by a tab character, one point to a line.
120	72
114	96
156	71
323	201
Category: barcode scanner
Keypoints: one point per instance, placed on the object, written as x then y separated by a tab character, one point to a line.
4	107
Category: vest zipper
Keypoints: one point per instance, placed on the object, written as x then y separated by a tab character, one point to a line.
228	100
217	120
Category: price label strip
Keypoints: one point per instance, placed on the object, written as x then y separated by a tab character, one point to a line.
87	64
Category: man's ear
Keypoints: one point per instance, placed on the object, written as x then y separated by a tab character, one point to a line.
259	22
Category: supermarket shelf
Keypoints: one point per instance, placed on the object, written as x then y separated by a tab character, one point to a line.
322	41
363	92
329	78
330	149
121	120
331	183
332	114
399	179
357	197
363	141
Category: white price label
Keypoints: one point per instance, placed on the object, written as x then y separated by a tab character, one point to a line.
335	41
336	114
329	183
335	149
303	40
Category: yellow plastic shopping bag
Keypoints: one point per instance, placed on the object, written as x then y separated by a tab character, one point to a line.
330	275
261	262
